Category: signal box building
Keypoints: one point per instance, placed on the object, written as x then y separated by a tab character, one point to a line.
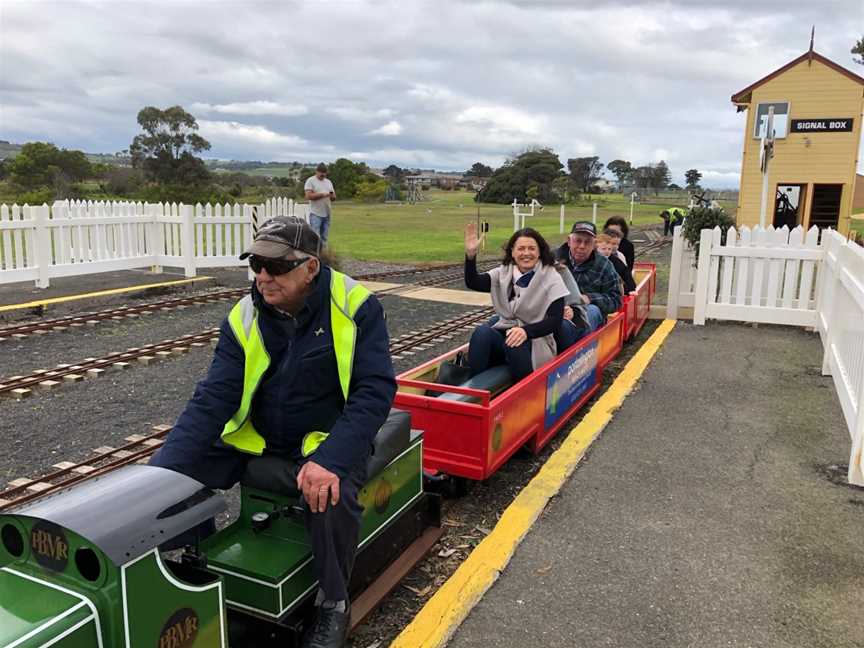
818	107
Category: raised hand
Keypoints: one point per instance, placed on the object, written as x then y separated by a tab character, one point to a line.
472	241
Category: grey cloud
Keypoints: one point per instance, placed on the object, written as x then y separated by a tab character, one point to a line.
464	80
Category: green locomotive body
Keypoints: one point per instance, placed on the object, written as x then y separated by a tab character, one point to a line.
83	568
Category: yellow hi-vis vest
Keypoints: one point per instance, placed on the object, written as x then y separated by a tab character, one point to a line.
346	296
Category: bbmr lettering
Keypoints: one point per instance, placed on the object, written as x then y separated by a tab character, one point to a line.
50	545
180	630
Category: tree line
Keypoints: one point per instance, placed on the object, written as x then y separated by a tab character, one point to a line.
539	173
165	165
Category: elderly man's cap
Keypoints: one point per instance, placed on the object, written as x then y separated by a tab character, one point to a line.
281	237
584	227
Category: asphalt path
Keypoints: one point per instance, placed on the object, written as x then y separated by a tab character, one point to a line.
702	516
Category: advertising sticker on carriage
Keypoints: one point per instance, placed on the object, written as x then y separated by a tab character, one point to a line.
569	382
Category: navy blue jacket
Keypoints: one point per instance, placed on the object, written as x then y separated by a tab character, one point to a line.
300	392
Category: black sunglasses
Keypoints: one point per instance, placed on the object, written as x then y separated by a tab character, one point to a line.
274	267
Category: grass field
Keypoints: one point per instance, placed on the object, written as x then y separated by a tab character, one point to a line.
432	231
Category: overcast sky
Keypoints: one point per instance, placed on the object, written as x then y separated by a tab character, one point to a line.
433	84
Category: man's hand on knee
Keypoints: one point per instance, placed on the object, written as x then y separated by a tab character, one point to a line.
318	485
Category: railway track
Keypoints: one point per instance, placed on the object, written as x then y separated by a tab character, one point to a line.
140	447
59	324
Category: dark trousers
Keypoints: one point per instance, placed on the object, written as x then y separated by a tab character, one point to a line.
334	534
487	349
667	227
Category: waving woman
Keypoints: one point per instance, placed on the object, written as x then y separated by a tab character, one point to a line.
528	297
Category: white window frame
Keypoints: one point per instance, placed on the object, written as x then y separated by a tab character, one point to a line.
755	134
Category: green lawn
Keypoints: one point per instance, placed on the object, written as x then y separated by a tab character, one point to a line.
431	231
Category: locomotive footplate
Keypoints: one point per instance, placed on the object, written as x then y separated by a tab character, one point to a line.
375	574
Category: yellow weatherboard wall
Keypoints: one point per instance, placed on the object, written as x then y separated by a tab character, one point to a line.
814	87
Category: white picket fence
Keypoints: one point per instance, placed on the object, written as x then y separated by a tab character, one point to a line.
840	322
38	243
783	277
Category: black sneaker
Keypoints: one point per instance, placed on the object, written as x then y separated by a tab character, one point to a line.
330	629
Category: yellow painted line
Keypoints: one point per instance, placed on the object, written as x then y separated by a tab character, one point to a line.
100	293
450	605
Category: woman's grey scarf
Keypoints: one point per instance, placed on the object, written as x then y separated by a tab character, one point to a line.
529	305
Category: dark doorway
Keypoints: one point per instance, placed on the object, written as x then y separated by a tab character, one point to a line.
788	205
826	205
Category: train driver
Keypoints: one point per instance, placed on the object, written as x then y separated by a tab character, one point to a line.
303	370
597	280
528	297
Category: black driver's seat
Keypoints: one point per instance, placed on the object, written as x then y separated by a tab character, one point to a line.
278	474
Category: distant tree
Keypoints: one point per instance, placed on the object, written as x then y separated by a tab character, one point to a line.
371	189
345	176
394	173
479	170
539	168
40	164
4	169
858	51
622	170
642	176
660	176
167	147
693	177
585	171
121	181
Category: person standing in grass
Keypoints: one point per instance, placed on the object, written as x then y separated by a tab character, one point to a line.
320	193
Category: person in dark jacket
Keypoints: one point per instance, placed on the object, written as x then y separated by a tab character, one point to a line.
597	280
528	296
607	245
275	388
625	245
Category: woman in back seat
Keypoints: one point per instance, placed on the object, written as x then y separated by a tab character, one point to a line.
528	296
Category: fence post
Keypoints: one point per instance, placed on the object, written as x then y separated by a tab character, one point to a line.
594	214
856	457
187	238
561	225
701	297
42	242
829	308
675	273
155	242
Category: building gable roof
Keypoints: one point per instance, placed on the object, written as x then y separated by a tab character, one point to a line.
743	97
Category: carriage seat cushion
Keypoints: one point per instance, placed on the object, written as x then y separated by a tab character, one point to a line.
278	474
494	379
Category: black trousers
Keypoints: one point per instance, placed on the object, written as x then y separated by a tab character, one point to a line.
334	534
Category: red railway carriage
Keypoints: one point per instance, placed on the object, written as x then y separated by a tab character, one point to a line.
637	304
471	429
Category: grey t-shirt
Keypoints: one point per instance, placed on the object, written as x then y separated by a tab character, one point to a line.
320	207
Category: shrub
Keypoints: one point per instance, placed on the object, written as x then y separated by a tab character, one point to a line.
700	218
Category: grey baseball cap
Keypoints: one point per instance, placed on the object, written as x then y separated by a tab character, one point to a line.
281	237
584	227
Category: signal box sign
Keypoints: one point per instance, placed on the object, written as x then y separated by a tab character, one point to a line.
822	125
